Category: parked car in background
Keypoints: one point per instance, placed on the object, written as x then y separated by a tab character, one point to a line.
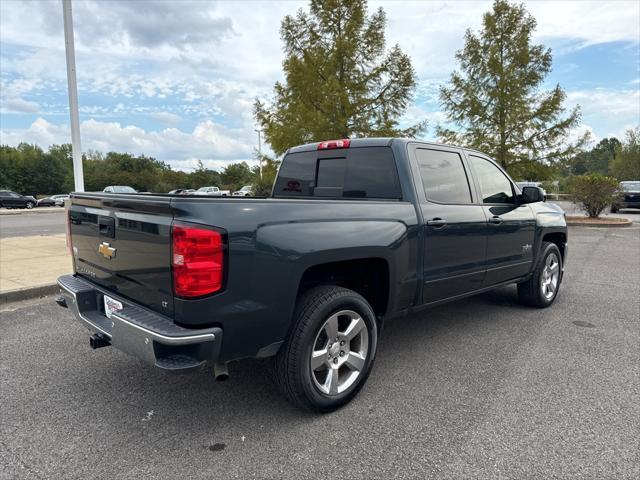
630	196
212	192
119	189
53	201
245	191
9	199
46	202
182	191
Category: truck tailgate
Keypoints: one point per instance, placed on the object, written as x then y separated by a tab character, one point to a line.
123	243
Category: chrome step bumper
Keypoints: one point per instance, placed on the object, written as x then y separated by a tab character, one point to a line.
138	331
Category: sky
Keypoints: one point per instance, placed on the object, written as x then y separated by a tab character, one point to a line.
176	80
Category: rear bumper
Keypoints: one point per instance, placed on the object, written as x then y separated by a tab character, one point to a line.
138	331
626	204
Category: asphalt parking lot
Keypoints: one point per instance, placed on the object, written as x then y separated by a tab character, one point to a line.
49	221
482	388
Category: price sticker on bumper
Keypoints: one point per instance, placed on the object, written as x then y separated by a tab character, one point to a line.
111	305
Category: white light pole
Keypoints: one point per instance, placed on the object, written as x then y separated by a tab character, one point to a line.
76	148
259	150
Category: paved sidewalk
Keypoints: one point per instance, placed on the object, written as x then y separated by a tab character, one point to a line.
32	262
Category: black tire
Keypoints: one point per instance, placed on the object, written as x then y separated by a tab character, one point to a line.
531	292
29	205
292	368
614	209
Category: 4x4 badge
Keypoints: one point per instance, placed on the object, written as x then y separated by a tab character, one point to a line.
106	250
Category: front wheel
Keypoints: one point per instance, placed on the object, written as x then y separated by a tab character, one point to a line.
614	209
542	288
330	350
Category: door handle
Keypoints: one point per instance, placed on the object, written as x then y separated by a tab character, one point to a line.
495	220
437	222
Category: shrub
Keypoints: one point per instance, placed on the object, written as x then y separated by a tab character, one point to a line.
594	192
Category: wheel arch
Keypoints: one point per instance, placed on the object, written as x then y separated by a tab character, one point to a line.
369	277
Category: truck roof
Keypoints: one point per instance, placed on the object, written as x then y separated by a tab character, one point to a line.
377	142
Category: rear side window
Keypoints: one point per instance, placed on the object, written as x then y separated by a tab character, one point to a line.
366	172
494	185
443	176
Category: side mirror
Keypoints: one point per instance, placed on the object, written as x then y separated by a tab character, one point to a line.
532	195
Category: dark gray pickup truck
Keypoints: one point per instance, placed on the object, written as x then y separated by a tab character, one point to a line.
355	232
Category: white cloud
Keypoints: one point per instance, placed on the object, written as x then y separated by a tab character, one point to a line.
208	141
167	118
19	105
621	105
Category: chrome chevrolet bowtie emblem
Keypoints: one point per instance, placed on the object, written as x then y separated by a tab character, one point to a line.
106	250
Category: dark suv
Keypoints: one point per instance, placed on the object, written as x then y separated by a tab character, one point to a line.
630	197
11	199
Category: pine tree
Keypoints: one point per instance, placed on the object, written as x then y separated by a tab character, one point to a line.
340	81
497	103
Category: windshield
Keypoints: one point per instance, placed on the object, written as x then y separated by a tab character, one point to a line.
202	189
631	186
245	188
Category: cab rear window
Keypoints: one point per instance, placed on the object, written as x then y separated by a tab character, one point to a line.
365	172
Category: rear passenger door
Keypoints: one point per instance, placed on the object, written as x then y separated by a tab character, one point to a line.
455	228
511	225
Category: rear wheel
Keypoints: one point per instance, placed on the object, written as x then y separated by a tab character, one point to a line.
542	288
614	209
330	350
30	205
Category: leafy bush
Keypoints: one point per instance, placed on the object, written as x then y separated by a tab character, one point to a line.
594	192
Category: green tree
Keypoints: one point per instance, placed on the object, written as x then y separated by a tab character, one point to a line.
263	184
597	159
236	175
28	169
340	81
626	164
203	177
497	103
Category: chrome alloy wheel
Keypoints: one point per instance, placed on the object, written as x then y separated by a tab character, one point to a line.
339	352
550	276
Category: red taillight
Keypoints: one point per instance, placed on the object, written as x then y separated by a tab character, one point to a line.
334	144
197	260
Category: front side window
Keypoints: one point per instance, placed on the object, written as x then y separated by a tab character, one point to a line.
443	176
494	185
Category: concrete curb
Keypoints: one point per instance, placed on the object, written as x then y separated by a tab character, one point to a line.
41	210
576	223
27	293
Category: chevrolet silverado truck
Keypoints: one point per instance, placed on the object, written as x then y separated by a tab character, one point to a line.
355	232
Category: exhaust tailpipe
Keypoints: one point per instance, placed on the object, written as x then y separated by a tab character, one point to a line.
221	371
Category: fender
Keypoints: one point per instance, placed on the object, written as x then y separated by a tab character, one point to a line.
549	219
298	246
